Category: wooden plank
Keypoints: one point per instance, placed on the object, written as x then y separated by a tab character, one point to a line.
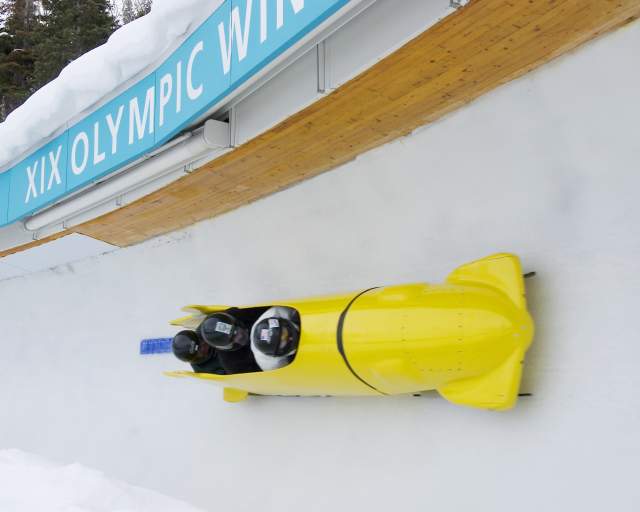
478	48
35	243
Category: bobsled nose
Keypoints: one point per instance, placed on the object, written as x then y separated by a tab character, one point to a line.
519	334
522	330
496	364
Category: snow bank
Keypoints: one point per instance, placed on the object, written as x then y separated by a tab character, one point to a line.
130	52
31	484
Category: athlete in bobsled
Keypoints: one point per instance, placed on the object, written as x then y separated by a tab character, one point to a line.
465	338
222	345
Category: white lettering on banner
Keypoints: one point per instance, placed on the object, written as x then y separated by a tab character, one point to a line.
194	92
114	129
243	27
166	85
242	40
75	168
42	163
235	34
31	176
166	89
241	37
297	5
97	156
141	122
179	87
55	168
225	48
264	18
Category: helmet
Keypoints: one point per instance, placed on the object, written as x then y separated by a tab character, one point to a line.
187	347
276	337
224	332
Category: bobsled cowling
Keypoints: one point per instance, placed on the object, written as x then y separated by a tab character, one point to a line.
465	338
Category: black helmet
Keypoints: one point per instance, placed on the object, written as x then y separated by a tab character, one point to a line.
276	337
224	332
187	347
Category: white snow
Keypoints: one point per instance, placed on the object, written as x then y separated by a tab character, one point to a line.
32	484
68	249
131	52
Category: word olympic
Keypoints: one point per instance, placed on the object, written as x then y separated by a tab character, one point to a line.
240	39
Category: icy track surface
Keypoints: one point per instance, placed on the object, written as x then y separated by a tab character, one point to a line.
32	484
540	167
130	52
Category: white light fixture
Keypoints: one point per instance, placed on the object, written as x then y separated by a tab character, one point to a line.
212	137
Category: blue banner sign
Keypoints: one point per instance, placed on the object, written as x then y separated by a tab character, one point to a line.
235	43
4	198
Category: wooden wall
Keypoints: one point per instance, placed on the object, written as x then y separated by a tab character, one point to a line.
478	48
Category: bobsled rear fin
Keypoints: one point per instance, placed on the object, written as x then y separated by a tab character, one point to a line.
497	390
205	310
500	271
189	322
183	374
198	314
179	374
233	395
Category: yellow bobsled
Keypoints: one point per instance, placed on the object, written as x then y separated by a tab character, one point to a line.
465	338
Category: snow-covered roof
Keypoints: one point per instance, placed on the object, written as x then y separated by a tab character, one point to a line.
99	74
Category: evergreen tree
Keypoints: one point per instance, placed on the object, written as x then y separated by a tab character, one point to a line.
38	38
143	7
68	29
128	12
18	23
134	9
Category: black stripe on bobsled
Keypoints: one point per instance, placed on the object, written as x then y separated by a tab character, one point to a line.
341	341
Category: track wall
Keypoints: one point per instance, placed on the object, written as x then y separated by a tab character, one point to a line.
546	167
